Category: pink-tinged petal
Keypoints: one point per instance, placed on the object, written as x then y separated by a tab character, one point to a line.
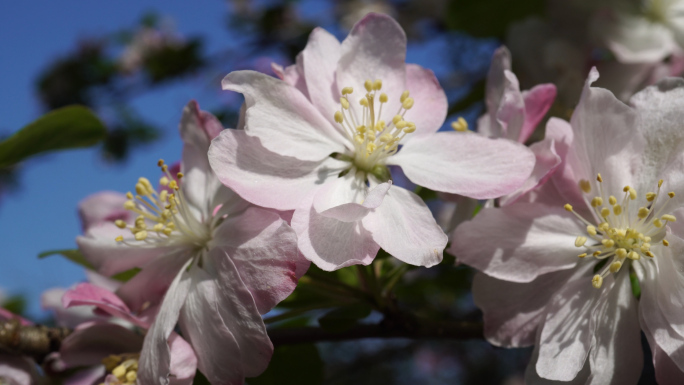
532	239
404	227
155	358
105	206
69	318
6	315
320	57
293	75
431	105
660	110
18	370
332	244
109	257
547	161
92	342
511	112
263	247
666	371
374	49
465	164
564	179
348	199
218	353
566	335
495	88
87	376
616	355
240	314
605	138
512	311
150	284
285	121
538	100
183	361
243	164
86	294
533	378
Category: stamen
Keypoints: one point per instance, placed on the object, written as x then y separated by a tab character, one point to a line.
460	125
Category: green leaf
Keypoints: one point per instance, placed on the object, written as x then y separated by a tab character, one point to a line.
292	365
636	286
490	18
71	254
200	379
64	128
16	304
126	276
344	317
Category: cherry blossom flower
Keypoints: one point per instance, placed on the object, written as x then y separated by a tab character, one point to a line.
557	271
207	258
319	142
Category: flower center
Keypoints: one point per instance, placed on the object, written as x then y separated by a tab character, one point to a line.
374	139
621	231
123	367
164	217
656	10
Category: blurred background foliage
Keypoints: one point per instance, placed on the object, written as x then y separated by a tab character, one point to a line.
105	73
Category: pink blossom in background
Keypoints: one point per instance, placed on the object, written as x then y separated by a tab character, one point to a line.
206	257
318	141
615	198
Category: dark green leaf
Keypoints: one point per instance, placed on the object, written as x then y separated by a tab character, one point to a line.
64	128
425	193
344	317
16	304
490	18
71	254
292	365
126	276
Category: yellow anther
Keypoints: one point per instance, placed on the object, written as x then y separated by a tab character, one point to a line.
165	168
383	98
598	178
645	247
385	138
597	281
171	225
380	125
568	207
666	243
617	209
377	85
361	129
347	90
660	183
669	218
173	184
650	196
408	103
608	243
158	227
160	162
180	175
359	139
582	255
120	224
647	240
621	253
371	147
368	85
140	189
633	255
591	230
119	238
585	186
404	96
140	235
397	118
605	212
363	102
642	213
164	181
166	214
410	128
131	376
604	226
345	103
631	191
596	253
129	195
580	241
460	125
615	266
119	372
401	124
657	223
596	202
671	194
612	200
167	231
650	254
129	205
338	117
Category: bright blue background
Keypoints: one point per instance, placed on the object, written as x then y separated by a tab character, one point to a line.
41	215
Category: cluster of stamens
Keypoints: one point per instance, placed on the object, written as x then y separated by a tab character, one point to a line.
162	216
124	367
617	233
373	138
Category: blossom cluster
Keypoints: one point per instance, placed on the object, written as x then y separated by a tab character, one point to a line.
577	236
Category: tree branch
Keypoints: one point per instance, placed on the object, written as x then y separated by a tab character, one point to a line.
36	341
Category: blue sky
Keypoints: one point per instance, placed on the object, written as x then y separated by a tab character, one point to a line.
41	215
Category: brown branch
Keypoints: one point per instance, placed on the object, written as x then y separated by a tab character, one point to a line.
36	341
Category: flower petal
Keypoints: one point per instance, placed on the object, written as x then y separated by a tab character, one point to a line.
285	121
348	199
431	105
293	75
531	239
320	58
105	206
264	250
495	87
183	361
538	100
404	227
333	244
634	39
92	342
465	164
18	370
243	164
155	358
